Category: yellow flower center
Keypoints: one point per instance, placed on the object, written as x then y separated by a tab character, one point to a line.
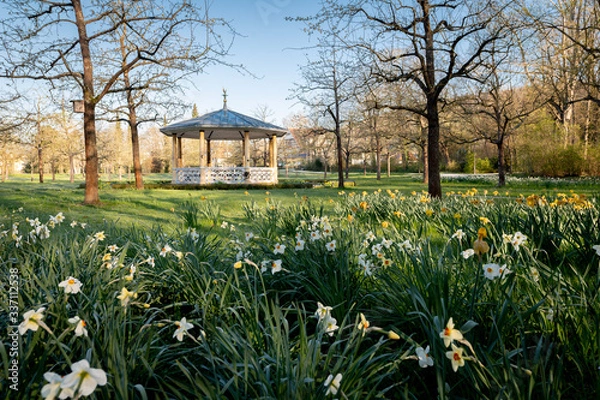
71	281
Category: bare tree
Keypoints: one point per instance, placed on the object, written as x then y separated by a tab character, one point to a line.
40	44
429	43
328	87
150	88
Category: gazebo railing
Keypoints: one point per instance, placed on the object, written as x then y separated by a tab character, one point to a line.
227	175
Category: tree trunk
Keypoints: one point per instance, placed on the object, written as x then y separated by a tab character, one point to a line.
501	164
347	165
389	164
40	163
135	150
378	156
424	150
586	135
71	168
433	150
340	159
433	117
91	195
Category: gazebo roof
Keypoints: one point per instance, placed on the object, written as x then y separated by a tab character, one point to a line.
223	124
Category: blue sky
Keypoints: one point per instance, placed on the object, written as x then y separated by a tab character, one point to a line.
268	48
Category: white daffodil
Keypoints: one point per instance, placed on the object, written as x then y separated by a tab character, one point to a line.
425	359
84	379
52	389
71	285
166	249
182	328
332	384
299	244
31	320
459	234
279	248
80	326
330	324
449	334
322	311
467	253
331	245
490	271
275	266
456	357
315	235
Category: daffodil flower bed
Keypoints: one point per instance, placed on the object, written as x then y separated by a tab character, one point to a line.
389	295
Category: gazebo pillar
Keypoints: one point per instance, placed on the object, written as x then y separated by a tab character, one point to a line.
273	151
246	162
208	159
179	153
202	143
174	158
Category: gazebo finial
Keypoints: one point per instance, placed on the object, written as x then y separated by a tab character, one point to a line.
224	99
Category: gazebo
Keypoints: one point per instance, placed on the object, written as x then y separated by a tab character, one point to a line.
223	124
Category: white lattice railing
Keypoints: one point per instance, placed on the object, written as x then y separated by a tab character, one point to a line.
230	175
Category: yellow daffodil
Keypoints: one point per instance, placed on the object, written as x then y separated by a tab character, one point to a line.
481	233
393	335
480	247
363	324
126	296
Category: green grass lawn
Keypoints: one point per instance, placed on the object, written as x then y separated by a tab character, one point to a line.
150	207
